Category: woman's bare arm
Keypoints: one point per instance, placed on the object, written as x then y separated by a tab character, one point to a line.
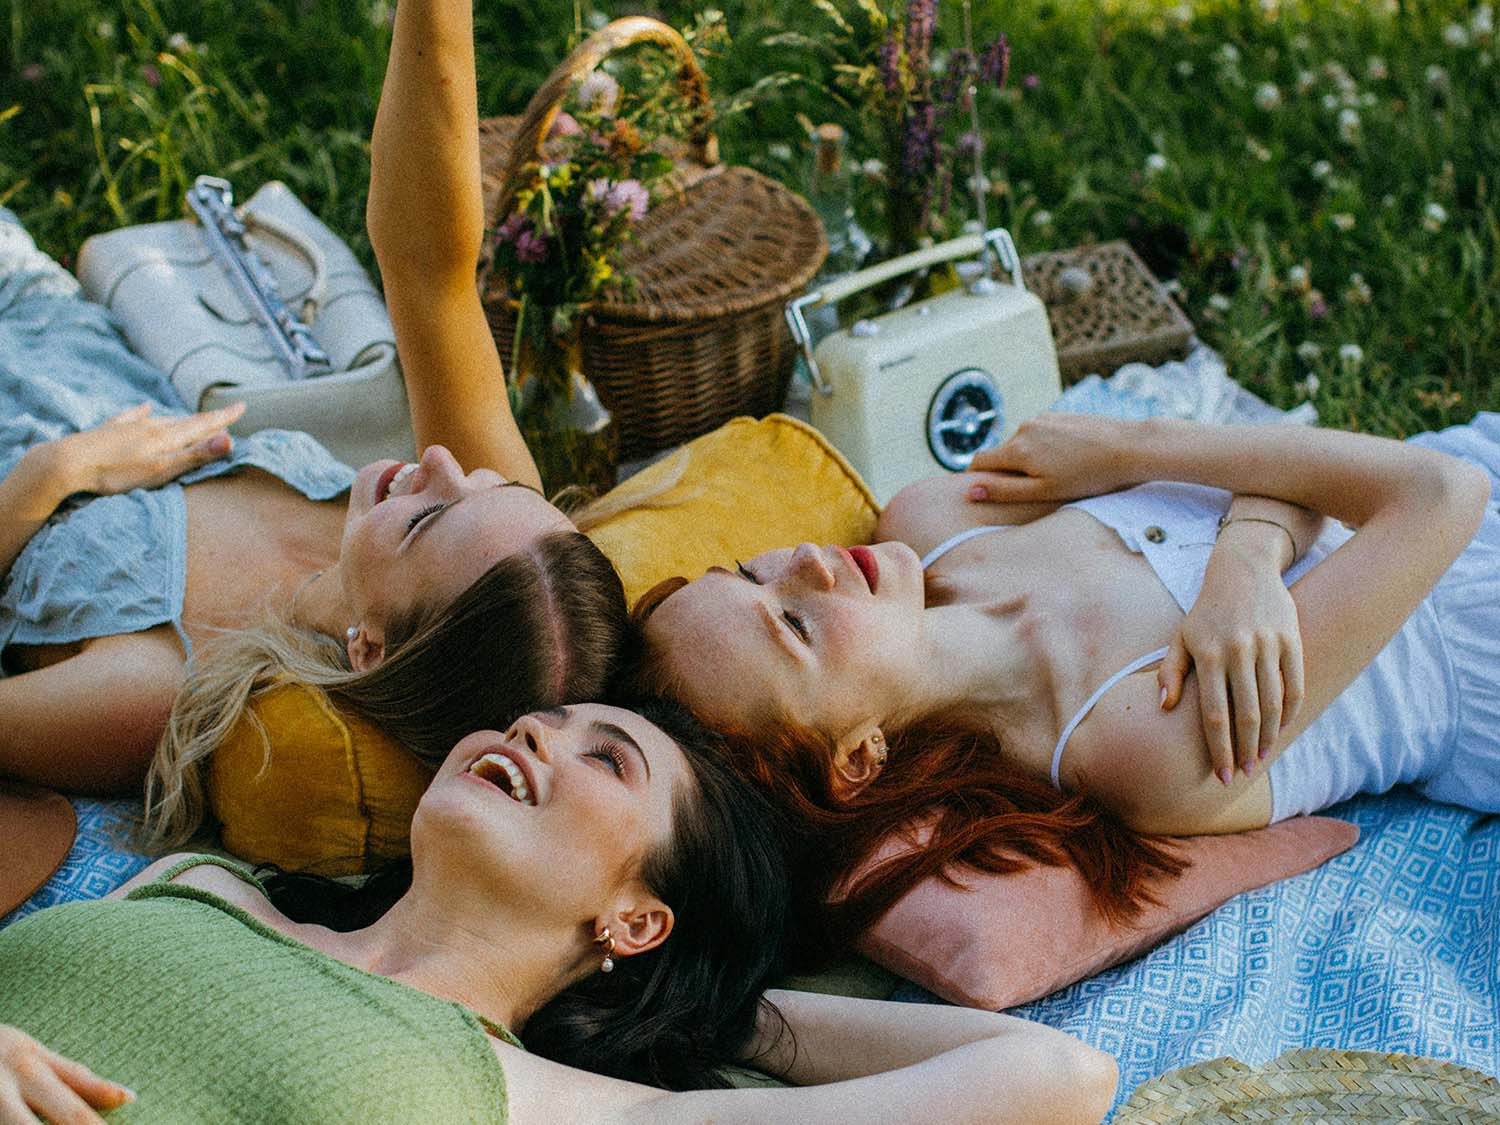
858	1061
1415	510
426	220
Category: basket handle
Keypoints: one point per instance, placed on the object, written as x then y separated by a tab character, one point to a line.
545	103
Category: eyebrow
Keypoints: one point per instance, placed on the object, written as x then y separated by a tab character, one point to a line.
619	733
446	508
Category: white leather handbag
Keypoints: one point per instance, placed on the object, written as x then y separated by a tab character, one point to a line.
181	309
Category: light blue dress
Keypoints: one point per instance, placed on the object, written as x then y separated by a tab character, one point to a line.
102	564
1425	712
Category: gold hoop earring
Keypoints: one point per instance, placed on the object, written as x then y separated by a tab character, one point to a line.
608	943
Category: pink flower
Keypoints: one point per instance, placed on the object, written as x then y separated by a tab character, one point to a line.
563	125
531	248
151	74
33	72
510	228
1032	81
631	196
599	190
599	91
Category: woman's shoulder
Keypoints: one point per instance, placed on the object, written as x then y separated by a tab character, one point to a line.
228	879
925	514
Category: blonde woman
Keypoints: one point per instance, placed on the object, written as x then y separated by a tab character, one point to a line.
158	576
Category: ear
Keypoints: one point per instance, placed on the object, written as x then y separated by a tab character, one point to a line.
366	648
641	926
858	760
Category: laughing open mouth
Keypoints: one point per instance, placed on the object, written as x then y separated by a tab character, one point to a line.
504	775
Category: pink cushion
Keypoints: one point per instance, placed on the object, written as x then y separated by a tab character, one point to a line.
1008	939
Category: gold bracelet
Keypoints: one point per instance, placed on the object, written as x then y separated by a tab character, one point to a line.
1226	519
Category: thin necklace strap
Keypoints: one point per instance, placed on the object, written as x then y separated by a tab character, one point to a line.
298	592
1134	666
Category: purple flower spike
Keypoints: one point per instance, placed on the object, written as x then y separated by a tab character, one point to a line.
994	65
151	74
921	17
890	62
531	248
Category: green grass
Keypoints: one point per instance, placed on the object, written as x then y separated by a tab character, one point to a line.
107	117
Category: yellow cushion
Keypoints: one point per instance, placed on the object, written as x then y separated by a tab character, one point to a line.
334	795
320	791
746	487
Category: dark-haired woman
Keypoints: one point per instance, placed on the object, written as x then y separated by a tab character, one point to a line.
430	600
597	883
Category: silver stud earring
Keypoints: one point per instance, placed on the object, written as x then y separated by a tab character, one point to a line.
351	632
880	751
608	943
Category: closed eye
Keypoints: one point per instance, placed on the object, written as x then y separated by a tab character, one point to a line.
744	572
430	510
797	624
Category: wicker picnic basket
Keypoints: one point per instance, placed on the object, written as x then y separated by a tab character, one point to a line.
702	338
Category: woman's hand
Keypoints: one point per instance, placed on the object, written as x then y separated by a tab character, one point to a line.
136	449
34	1080
1243	640
1056	456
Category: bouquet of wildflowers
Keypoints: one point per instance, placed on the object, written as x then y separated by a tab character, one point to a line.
576	204
884	68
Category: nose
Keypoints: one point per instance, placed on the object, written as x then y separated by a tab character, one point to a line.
440	471
809	565
529	731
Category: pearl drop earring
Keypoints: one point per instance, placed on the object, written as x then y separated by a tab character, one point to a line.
351	632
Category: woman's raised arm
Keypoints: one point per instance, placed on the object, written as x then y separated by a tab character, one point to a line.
856	1061
426	220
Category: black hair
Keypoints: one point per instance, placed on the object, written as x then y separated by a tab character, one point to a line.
675	1015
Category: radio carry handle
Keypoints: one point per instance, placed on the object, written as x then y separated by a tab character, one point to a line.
998	240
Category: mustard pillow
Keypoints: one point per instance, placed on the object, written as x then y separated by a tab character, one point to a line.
744	488
318	791
301	785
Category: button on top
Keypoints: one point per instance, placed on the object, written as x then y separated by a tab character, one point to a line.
1155	534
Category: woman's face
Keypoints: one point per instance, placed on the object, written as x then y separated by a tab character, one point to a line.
556	814
425	531
827	636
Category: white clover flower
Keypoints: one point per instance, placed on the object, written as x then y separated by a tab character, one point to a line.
1309	386
1342	221
1321	170
1300	42
1433	217
1185	68
105	29
980	184
1183	14
1219	303
1437	77
776	150
1267	96
1483	22
1041	218
1270	8
600	92
1376	68
1330	102
1307	351
1368	99
1349	125
1456	35
178	43
873	168
1351	356
1360	292
1297	277
1155	163
1388	201
1258	150
1229	53
1306	80
380	13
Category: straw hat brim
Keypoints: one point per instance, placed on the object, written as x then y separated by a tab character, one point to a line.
1317	1084
37	827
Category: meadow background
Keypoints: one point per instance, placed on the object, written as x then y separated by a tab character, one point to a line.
1320	179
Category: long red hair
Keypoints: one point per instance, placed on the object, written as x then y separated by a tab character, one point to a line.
952	783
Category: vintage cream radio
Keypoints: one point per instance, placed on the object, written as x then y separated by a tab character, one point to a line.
921	389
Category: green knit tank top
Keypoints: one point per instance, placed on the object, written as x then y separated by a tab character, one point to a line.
212	1016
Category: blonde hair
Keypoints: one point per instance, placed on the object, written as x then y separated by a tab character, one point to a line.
541	627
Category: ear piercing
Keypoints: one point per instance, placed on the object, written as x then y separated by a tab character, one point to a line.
607	942
878	742
351	632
